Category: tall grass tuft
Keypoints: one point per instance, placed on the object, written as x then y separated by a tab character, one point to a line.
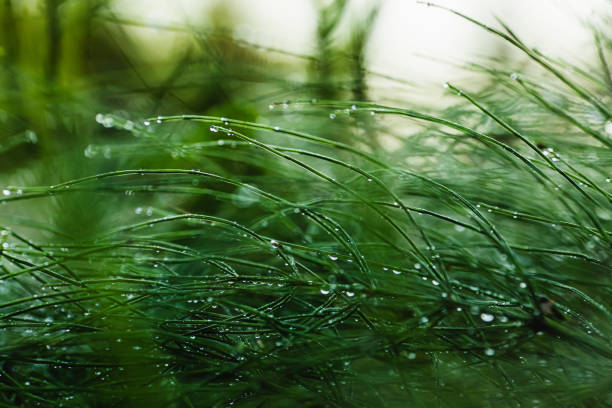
275	252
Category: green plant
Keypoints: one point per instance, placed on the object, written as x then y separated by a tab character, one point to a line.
286	257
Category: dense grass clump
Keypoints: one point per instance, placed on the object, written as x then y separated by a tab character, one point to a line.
286	255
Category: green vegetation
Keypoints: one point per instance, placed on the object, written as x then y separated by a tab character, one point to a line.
259	244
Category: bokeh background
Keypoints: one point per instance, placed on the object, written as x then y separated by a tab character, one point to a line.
62	61
188	56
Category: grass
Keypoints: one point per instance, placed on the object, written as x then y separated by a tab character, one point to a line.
285	255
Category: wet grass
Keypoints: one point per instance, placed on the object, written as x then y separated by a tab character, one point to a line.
286	256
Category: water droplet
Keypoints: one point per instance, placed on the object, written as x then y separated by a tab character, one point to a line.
31	136
214	129
332	115
411	356
353	107
324	292
487	317
522	285
333	258
417	266
276	128
99	118
435	282
90	151
395	271
489	352
424	319
271	106
350	294
108	121
6	192
372	113
514	76
608	127
446	85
